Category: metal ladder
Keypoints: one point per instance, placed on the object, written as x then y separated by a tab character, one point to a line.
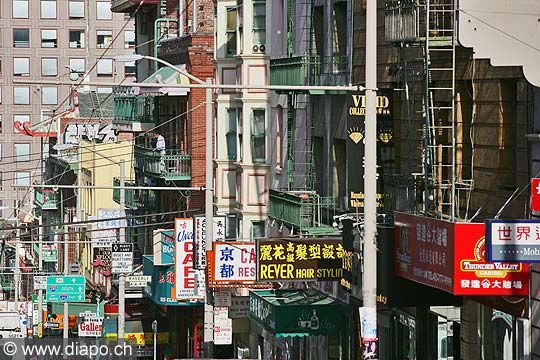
439	106
96	105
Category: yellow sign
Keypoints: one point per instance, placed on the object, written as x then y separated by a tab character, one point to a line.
143	338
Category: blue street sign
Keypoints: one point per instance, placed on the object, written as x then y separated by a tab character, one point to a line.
65	288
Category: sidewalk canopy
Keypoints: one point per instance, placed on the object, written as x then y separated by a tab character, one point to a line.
297	312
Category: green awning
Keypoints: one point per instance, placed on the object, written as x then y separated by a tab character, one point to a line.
167	76
297	312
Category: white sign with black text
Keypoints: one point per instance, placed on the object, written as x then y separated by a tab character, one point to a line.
122	258
199	260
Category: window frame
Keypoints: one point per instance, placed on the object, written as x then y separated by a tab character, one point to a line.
254	28
127	44
43	102
76	70
55	39
231	38
44	59
21	175
27	88
81	41
17	156
69	9
23	42
26	119
255	136
254	223
104	45
102	61
97	10
23	74
48	6
13	9
231	134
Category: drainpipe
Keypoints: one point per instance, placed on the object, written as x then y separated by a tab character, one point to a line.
195	16
180	18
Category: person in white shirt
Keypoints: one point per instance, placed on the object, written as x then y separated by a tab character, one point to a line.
158	144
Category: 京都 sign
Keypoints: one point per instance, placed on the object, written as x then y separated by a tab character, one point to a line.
513	240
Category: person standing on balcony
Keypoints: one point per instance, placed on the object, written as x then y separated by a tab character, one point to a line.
158	144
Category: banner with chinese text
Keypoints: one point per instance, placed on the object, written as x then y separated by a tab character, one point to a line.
299	259
189	283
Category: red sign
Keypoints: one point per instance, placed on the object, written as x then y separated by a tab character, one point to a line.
535	194
451	257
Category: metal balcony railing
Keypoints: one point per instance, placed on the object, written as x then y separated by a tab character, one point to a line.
135	199
310	70
134	108
169	164
305	211
46	199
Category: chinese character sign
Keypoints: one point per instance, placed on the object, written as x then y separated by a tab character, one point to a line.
189	283
200	238
535	195
513	240
300	259
163	247
233	262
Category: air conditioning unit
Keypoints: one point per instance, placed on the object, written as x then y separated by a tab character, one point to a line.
259	48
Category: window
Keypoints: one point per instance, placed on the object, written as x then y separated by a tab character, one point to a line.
77	65
19	120
279	136
20	9
49	95
231	32
22	152
129	39
258	138
76	39
105	67
49	38
231	226
48	9
104	10
259	21
21	95
130	68
258	229
231	134
21	66
21	38
104	38
49	67
76	9
22	178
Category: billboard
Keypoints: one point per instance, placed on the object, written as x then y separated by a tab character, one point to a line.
299	259
189	282
451	257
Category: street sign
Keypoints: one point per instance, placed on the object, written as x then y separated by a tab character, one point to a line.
74	268
122	258
138	280
65	289
40	282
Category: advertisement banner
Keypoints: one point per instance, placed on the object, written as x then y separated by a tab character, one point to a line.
90	325
189	282
513	240
451	257
232	263
200	238
163	247
356	110
222	326
299	259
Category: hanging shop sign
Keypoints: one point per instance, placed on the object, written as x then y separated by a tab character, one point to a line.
199	259
106	232
299	259
513	240
535	195
452	257
90	325
356	110
189	282
163	247
232	263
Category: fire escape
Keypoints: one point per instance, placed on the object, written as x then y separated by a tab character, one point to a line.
427	28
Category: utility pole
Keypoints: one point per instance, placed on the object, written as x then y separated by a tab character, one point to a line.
40	269
209	216
122	277
369	287
66	272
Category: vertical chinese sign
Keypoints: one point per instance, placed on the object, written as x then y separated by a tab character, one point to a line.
199	259
189	282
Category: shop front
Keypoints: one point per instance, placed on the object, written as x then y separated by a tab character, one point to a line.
298	324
